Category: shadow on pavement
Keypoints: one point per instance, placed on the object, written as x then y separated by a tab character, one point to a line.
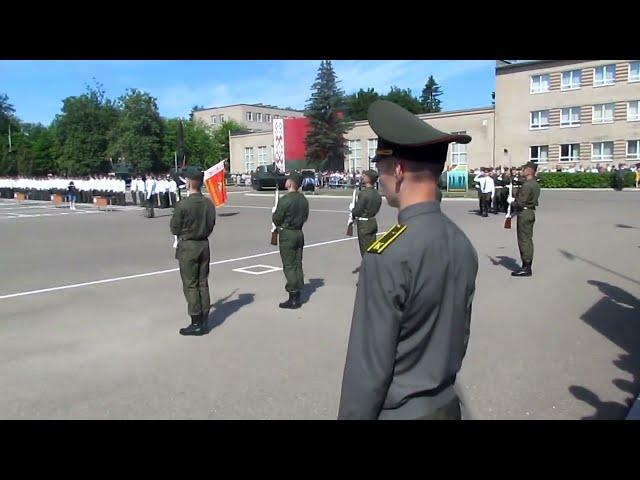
616	316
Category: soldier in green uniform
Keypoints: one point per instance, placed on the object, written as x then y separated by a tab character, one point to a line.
192	222
412	312
289	217
366	208
525	204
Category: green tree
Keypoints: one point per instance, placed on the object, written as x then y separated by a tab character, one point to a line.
404	98
41	143
357	104
429	98
82	132
325	143
8	122
203	146
137	136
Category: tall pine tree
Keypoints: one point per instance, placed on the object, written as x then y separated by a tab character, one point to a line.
325	142
430	93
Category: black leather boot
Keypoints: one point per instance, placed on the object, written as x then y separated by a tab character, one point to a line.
296	300
195	329
289	303
525	271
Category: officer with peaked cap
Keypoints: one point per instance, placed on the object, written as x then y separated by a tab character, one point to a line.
412	312
524	204
365	210
289	217
192	222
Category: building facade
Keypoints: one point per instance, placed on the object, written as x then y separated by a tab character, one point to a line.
257	118
566	113
558	113
251	150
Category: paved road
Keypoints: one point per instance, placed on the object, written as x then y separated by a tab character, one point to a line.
101	340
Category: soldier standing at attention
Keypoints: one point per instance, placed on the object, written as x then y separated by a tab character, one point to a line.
289	217
192	222
412	312
366	208
525	204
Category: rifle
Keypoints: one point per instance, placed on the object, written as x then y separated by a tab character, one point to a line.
507	220
274	229
352	205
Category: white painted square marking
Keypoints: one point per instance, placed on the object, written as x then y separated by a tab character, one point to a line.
257	269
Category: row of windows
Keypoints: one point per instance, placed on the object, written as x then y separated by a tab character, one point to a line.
600	152
262	157
570	116
259	117
572	79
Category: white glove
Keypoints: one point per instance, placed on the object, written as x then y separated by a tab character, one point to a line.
273	209
510	200
175	241
351	206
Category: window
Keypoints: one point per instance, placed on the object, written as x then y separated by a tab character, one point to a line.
605	75
634	72
248	159
570	152
539	153
570	117
603	113
262	156
354	154
372	145
267	117
570	80
602	152
539	83
222	118
539	119
276	117
459	151
249	117
214	119
633	149
633	111
258	117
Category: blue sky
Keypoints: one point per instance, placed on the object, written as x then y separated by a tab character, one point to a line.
36	88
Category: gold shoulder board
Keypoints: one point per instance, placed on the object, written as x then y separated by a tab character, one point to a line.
387	239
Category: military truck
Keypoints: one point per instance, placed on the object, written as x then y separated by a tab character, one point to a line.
267	177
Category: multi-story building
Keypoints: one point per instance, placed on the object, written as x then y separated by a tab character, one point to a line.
248	151
563	113
256	118
557	113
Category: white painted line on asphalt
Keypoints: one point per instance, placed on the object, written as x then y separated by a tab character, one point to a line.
159	272
266	269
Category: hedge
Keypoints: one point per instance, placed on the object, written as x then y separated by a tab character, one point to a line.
577	180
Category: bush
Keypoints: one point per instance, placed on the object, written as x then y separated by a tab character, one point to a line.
582	180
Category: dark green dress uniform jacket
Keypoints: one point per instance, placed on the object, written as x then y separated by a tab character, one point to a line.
367	206
411	320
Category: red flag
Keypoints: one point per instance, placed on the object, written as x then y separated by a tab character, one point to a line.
214	181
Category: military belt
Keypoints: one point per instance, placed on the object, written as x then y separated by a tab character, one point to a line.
361	218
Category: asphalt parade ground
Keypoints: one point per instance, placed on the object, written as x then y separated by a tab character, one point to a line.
91	303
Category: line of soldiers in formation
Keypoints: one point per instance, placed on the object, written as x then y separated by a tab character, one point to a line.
41	188
493	188
154	191
151	190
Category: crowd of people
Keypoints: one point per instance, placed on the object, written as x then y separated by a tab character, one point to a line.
156	190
